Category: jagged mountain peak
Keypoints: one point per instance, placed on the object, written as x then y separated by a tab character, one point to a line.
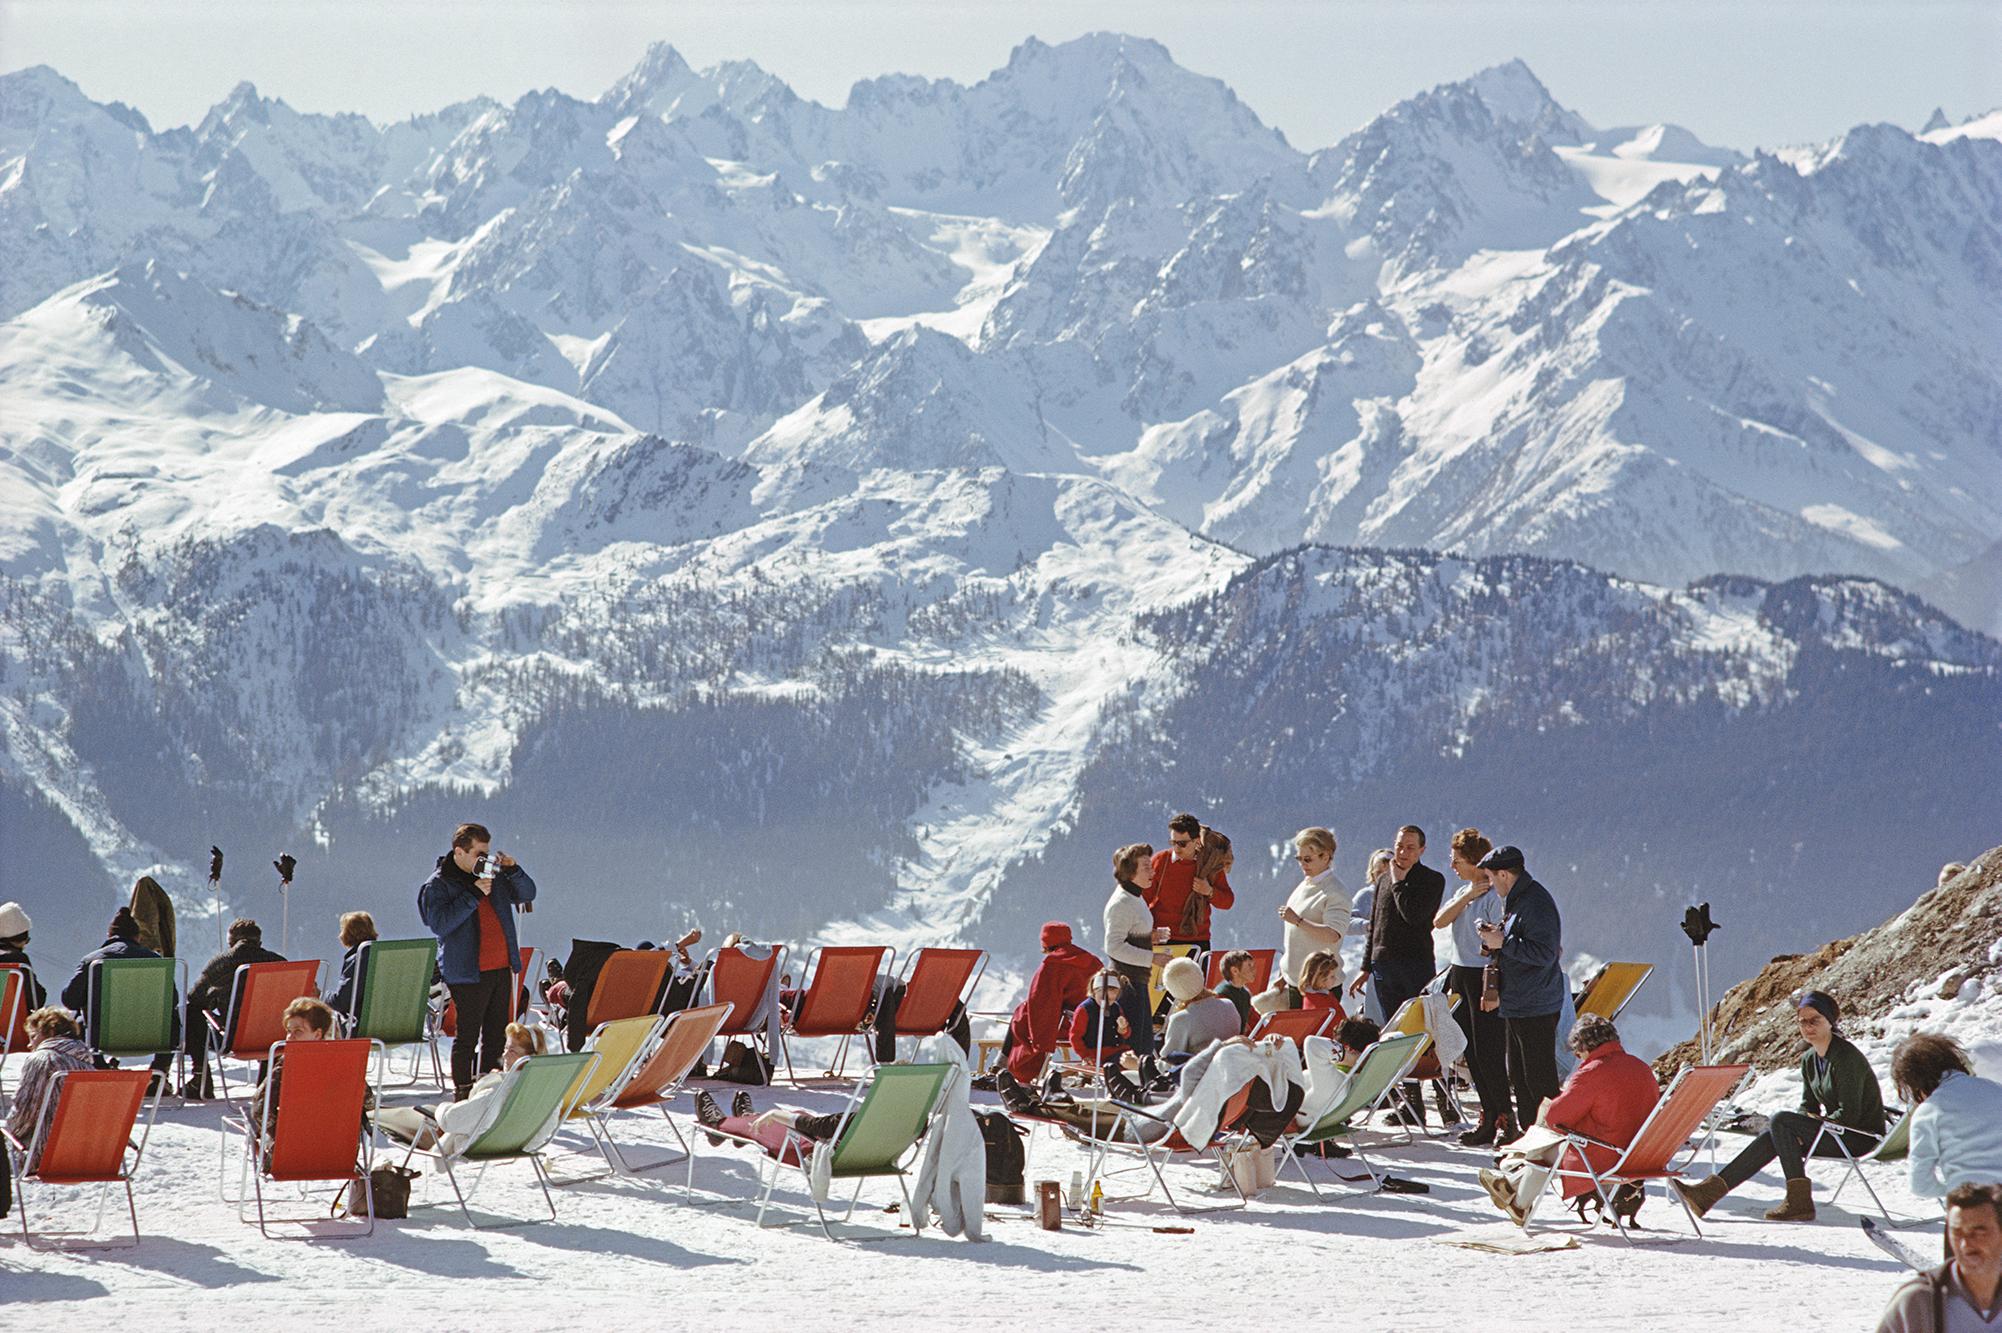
1512	92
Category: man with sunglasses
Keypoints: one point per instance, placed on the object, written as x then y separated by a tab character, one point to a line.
1175	881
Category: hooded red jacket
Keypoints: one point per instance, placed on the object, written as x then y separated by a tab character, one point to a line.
1608	1097
1061	982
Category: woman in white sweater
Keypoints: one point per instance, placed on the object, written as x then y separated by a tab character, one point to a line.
1956	1117
1129	933
1317	909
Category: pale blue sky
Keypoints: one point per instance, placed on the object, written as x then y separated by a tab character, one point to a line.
1744	74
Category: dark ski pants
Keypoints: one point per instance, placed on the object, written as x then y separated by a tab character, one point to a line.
1487	1042
1787	1138
482	1030
1532	1064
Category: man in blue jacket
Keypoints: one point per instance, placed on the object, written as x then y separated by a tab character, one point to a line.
468	903
1528	943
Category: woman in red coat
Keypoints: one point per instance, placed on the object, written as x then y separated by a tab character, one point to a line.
1060	984
1608	1097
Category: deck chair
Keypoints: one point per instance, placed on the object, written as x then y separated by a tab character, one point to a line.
741	981
1893	1145
840	994
1261	968
393	1003
1296	1025
1127	1137
883	1122
525	981
1376	1074
533	1101
14	992
256	1015
938	985
1613	988
132	1008
1156	992
84	1130
318	1132
622	1046
1668	1129
657	1082
1409	1019
628	986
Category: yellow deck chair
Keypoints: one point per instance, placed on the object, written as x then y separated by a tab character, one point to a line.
1615	985
622	1047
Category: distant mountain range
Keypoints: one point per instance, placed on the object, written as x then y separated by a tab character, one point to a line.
855	521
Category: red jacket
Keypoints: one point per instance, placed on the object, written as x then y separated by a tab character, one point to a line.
1173	882
1061	982
1608	1097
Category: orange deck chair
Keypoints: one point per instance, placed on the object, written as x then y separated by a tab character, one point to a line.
658	1082
85	1130
628	986
740	981
256	1015
316	1131
1296	1025
1261	967
837	1001
937	984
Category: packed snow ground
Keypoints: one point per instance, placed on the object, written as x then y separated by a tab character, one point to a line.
1364	1260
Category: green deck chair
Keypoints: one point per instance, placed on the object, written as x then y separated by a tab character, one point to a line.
1379	1070
534	1098
1894	1146
881	1125
393	1002
131	1007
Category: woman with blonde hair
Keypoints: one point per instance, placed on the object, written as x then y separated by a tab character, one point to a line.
1314	912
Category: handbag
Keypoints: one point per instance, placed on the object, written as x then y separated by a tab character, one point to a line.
391	1187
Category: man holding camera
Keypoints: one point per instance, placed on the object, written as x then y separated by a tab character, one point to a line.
468	903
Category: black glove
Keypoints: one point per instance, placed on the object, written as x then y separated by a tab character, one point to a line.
1696	923
215	865
285	866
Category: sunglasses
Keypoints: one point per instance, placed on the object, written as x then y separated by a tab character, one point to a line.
1181	842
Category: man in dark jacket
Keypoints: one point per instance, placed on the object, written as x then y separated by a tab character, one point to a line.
1397	961
211	994
468	903
1528	943
121	941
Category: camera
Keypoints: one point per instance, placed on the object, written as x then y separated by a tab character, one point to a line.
487	868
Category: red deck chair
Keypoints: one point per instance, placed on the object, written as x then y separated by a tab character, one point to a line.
256	1016
84	1128
659	1081
14	993
317	1131
1261	967
740	981
938	983
1296	1025
839	995
628	986
1667	1130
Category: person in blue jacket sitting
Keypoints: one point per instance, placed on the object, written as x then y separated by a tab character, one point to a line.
468	903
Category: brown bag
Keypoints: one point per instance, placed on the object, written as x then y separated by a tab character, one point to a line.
391	1187
1491	986
1210	861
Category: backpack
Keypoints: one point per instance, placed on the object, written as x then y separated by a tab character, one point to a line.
1006	1158
744	1063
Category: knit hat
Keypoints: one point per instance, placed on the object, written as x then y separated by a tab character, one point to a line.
123	925
1821	1002
13	921
1502	858
1182	979
1270	1000
1055	933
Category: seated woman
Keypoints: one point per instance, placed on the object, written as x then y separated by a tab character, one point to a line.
452	1124
1320	982
1837	1086
1354	1036
1956	1117
55	1047
306	1019
357	929
788	1136
14	928
1608	1097
1200	1016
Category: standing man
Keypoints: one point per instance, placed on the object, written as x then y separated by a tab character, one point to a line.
1527	943
468	903
1175	882
1397	961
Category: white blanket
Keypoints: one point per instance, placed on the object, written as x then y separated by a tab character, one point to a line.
952	1181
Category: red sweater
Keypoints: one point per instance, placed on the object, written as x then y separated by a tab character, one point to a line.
493	940
1061	982
1173	882
1608	1096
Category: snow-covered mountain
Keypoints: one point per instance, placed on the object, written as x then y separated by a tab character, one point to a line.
700	481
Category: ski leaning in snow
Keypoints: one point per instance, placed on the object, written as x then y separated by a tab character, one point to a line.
1881	1237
